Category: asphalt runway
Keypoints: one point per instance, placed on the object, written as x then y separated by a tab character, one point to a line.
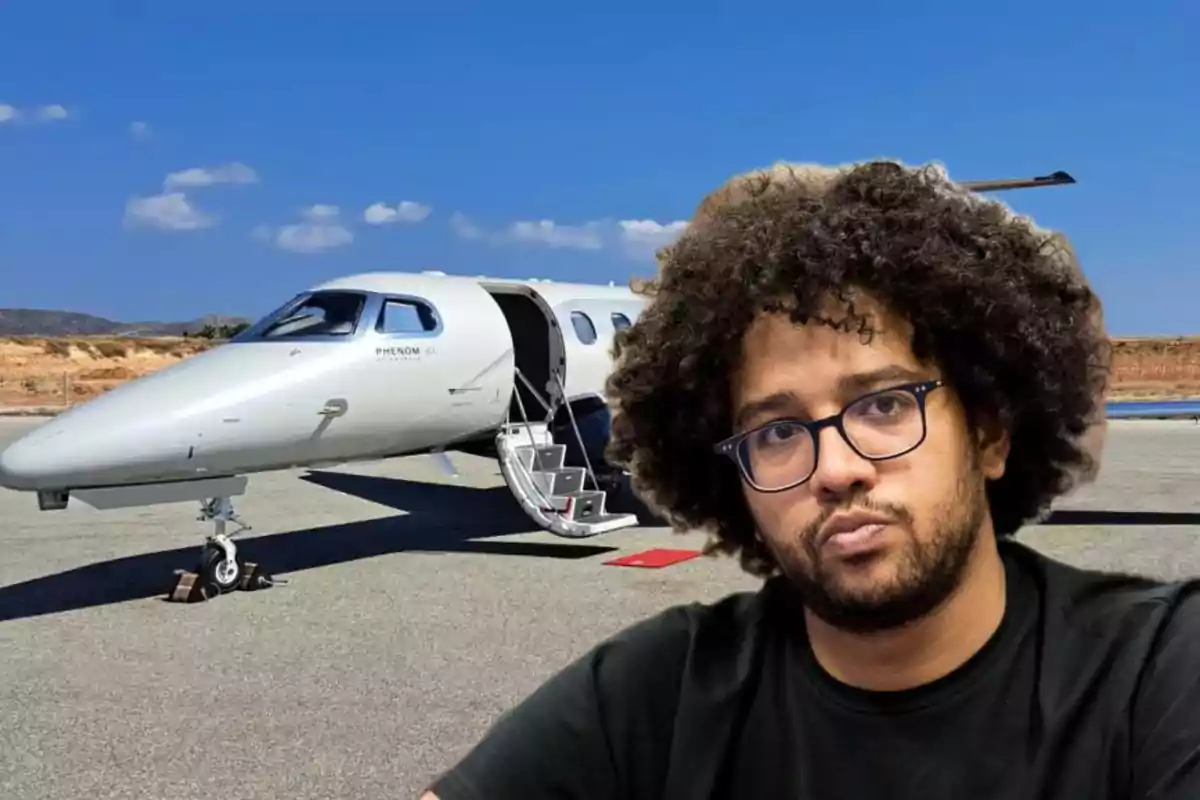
419	607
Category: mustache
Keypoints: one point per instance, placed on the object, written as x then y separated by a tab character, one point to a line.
897	513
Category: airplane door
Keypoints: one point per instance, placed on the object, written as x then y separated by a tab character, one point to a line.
428	374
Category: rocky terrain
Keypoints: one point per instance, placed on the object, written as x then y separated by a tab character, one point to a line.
40	372
46	322
45	373
52	359
1156	368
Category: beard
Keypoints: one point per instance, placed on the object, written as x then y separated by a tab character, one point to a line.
925	574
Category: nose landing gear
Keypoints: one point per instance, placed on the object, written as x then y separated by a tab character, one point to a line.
221	569
220	566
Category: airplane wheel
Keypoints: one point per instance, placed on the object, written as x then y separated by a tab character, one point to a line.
218	571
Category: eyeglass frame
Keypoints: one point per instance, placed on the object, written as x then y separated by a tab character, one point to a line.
730	446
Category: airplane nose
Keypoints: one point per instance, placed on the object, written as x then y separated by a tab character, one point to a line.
171	425
68	452
27	462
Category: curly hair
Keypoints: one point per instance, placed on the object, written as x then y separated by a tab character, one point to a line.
998	304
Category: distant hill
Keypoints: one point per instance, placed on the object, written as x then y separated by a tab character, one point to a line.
39	322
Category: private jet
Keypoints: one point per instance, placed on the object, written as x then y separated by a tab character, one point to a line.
364	367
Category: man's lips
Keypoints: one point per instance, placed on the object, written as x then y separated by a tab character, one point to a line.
852	529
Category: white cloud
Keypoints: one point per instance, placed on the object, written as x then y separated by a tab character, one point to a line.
208	176
319	212
651	233
321	230
551	234
52	113
637	239
642	238
170	211
139	130
407	211
587	236
464	228
306	237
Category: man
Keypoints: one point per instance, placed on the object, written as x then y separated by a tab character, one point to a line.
863	381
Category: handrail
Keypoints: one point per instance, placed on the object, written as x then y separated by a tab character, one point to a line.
578	436
536	395
525	419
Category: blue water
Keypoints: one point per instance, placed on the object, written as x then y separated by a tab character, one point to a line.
1153	409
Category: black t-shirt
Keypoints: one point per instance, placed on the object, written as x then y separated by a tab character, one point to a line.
1089	689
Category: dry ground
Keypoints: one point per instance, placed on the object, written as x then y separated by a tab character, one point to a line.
58	371
40	372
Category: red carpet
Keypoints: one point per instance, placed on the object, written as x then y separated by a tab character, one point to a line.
653	559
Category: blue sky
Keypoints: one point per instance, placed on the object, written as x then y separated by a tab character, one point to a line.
263	116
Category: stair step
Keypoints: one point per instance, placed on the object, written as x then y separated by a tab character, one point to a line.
562	481
581	505
541	459
534	469
610	521
594	525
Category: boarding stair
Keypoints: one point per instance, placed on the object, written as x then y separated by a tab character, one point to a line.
556	496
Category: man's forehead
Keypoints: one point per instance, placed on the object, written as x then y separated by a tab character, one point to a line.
887	332
777	353
803	370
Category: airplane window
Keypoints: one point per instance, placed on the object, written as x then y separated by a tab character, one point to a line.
584	328
319	314
251	333
406	316
620	321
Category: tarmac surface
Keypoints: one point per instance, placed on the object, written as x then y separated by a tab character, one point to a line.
418	608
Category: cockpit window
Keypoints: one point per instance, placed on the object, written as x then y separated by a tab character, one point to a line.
620	321
406	317
584	328
333	314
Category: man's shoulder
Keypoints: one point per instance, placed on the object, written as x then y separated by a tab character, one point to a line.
1109	603
683	632
1128	645
607	720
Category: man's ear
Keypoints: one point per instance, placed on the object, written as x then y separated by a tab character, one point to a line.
993	442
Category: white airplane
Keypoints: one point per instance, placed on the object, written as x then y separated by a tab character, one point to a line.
364	367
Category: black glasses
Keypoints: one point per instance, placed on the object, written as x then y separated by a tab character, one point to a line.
783	454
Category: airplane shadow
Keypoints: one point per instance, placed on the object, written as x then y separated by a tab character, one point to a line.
439	518
1084	517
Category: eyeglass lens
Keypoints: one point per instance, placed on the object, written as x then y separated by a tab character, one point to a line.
877	426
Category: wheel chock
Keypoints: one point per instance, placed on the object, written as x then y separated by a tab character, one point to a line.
249	570
189	588
254	578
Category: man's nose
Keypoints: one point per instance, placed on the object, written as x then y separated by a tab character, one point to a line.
840	469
